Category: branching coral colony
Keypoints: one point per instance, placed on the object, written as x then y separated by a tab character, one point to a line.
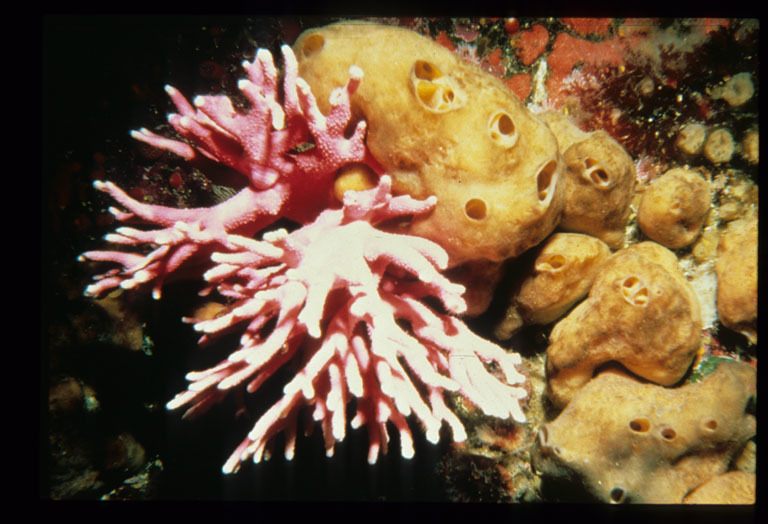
338	294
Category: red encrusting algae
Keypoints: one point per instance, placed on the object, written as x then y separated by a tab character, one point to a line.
531	44
520	85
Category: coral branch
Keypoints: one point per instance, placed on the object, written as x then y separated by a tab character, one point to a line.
337	295
353	345
189	233
258	144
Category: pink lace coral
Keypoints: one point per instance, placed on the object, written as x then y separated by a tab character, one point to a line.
295	277
337	294
258	145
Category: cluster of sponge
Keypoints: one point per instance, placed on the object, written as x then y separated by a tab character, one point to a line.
641	312
505	179
628	441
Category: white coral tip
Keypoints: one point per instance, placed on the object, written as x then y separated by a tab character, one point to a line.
373	454
406	446
274	236
355	72
264	55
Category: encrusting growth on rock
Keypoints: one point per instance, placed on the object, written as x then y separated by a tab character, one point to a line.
719	147
690	139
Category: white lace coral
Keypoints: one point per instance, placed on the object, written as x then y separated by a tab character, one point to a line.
346	300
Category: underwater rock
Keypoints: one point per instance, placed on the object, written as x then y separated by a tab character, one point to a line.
640	312
736	268
734	487
440	126
628	441
599	181
674	207
124	453
66	396
561	274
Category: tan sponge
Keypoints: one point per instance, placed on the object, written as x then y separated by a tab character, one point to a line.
674	207
600	181
628	441
561	274
440	126
736	269
641	312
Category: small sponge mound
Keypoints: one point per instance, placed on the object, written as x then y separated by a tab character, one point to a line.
736	269
443	127
719	147
674	207
691	138
628	441
565	266
640	312
600	181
